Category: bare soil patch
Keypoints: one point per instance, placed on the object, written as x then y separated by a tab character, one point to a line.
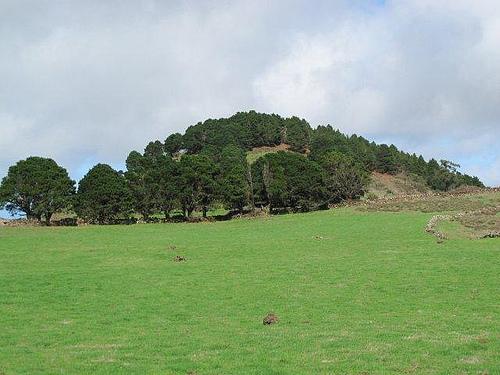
270	318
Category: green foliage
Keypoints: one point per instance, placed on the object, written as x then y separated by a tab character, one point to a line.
168	187
247	130
37	187
103	196
154	150
198	176
444	176
234	181
345	179
143	188
289	180
325	139
173	143
386	159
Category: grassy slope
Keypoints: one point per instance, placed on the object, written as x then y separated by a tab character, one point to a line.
387	185
258	152
374	294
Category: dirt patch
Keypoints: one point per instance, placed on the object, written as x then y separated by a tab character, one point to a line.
280	147
384	185
270	318
179	258
258	152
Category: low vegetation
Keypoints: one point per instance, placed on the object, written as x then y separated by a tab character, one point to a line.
341	291
448	203
461	215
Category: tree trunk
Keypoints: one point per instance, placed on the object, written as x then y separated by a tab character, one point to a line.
204	211
250	183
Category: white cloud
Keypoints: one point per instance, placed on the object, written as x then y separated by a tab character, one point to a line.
93	80
426	74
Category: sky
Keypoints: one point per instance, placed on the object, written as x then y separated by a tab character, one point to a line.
88	81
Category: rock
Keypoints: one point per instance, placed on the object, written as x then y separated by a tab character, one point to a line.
270	319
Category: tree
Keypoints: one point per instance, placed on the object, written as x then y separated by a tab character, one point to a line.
38	187
197	183
154	150
247	130
289	180
386	162
168	186
103	196
144	195
296	133
345	179
173	144
234	184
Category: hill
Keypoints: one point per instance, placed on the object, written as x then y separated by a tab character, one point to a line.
252	131
247	161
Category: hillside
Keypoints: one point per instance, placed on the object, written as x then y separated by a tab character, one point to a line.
247	161
260	133
386	185
355	292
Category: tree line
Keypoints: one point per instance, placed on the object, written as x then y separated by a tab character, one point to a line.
207	166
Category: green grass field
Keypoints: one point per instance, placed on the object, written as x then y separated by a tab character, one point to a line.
356	293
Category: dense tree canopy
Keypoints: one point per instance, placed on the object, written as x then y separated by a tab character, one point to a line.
140	176
248	130
289	180
103	196
198	176
37	187
344	178
234	179
173	144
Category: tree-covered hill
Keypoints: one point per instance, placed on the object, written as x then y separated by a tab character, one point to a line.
208	166
247	130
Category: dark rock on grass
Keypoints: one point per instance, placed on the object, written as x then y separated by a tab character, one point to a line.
270	319
492	234
179	258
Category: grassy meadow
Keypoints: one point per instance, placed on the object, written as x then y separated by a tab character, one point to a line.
356	292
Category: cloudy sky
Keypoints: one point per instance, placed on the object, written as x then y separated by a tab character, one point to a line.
88	81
